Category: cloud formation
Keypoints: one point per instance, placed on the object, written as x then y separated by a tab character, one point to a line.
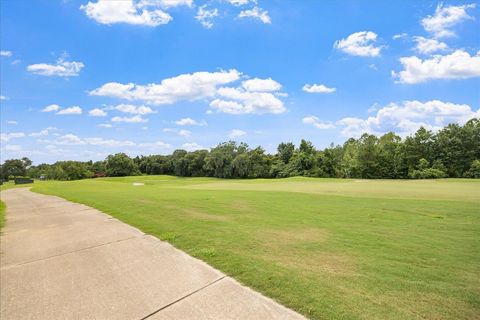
318	88
75	110
240	101
6	53
427	46
236	133
440	24
192	146
190	122
128	108
256	96
317	123
457	65
205	16
146	13
97	112
256	85
359	44
407	117
256	13
61	68
193	86
133	119
5	137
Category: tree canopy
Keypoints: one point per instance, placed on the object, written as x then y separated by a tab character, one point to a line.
453	152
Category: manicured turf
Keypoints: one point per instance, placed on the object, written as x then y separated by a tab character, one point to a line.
330	249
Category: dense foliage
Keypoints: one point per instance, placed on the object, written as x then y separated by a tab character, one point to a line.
453	152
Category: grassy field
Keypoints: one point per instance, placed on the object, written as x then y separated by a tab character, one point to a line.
330	249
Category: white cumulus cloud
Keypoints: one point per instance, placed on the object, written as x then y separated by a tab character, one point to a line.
128	108
256	84
317	88
405	118
241	2
51	108
190	122
191	146
165	3
97	112
457	65
108	142
70	111
238	101
13	135
427	46
156	145
5	53
206	16
40	133
184	133
189	87
69	139
317	123
236	133
400	36
133	119
256	13
204	85
61	68
12	148
147	13
440	24
359	44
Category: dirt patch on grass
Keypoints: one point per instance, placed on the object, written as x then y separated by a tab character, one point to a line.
195	213
304	250
145	201
198	214
313	262
241	205
294	236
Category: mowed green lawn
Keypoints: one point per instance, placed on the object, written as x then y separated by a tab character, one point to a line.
328	248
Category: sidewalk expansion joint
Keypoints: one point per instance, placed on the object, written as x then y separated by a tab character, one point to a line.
182	298
7	267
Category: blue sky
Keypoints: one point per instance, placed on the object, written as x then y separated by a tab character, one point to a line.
80	79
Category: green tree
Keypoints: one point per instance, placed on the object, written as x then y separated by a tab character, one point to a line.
98	167
119	165
368	156
15	167
474	171
285	151
219	161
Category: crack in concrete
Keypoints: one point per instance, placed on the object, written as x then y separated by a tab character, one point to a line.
7	267
182	298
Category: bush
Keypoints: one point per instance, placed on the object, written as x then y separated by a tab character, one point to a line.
429	173
474	171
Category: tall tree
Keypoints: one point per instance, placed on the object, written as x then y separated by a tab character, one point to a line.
119	165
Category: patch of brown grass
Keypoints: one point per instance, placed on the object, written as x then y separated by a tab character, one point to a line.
301	249
198	214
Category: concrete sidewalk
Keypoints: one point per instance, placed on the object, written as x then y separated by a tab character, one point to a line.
62	260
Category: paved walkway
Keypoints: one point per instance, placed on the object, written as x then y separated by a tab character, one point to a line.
62	260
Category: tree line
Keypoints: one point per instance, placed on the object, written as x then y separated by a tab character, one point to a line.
453	151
